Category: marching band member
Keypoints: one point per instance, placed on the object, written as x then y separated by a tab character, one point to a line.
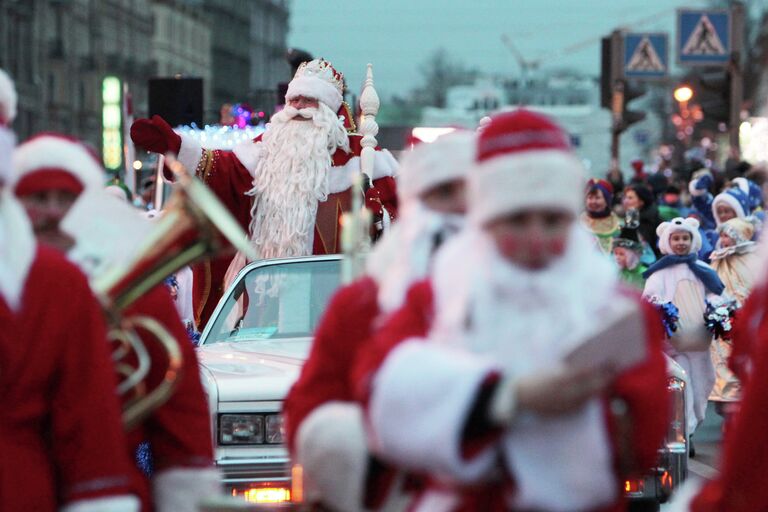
60	430
319	408
290	184
52	172
468	381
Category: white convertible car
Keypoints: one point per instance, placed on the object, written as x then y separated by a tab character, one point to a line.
253	348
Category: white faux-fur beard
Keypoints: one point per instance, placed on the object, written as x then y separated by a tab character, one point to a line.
291	177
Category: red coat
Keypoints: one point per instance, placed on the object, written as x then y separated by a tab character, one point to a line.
229	178
642	388
61	435
740	486
179	431
340	336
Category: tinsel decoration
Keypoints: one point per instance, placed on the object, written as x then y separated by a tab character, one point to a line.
144	458
194	335
670	315
719	315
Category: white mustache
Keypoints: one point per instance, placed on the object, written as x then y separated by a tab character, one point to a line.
307	113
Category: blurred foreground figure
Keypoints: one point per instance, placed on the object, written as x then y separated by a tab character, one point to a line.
61	436
740	485
481	381
324	425
53	176
288	186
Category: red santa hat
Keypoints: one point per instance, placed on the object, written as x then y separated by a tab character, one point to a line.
429	165
525	161
52	161
7	99
319	80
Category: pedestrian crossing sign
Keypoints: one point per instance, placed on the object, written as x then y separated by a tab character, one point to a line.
646	55
703	37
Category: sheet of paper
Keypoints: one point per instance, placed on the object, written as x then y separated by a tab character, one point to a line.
621	345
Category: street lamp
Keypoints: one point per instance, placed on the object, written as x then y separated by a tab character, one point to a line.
683	94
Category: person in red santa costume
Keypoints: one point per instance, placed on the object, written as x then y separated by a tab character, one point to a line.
289	186
52	172
740	484
60	429
468	381
320	407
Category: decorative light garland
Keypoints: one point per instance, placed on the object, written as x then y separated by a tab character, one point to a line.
221	137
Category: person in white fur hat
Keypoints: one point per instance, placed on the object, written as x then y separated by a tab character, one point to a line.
320	407
468	382
288	186
51	174
681	278
60	428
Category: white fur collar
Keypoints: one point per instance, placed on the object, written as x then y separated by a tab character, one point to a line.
17	249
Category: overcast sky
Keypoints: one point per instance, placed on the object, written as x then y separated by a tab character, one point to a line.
396	36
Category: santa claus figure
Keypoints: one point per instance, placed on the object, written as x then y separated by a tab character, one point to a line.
474	381
53	175
60	429
320	408
288	186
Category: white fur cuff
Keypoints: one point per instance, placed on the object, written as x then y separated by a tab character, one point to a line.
190	153
182	489
331	447
123	503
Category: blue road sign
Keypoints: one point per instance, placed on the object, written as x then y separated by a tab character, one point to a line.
646	55
703	37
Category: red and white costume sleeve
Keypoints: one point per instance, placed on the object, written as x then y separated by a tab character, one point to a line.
437	363
740	485
179	431
229	175
61	432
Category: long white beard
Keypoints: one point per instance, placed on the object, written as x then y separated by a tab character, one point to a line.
290	178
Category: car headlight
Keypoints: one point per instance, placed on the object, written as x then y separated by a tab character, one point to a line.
251	428
676	437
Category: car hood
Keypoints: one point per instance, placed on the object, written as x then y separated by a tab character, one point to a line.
254	370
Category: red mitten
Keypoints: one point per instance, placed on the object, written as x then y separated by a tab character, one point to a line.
155	135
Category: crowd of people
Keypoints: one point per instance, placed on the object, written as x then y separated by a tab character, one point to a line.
475	366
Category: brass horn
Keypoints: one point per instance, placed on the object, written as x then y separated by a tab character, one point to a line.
193	227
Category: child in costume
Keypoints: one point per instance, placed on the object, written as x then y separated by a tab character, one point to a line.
627	250
681	278
736	262
598	216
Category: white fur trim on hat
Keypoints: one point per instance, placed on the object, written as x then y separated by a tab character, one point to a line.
689	225
317	88
448	158
331	447
8	99
52	152
730	200
505	184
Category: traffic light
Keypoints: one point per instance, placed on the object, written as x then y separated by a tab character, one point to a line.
713	94
632	91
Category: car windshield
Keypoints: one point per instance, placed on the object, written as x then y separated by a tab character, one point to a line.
284	300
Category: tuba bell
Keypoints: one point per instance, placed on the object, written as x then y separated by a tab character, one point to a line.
193	227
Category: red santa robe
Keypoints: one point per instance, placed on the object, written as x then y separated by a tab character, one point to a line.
320	398
61	433
179	431
228	174
431	377
740	485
